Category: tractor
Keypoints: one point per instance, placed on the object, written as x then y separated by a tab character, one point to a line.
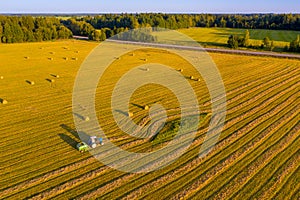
82	147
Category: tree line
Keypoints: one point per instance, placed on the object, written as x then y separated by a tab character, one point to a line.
15	29
99	27
235	41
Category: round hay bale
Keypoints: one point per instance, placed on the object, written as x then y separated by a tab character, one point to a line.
3	101
76	51
50	58
181	70
86	118
52	52
65	58
147	69
26	57
198	79
1	77
132	54
130	114
145	59
146	107
191	77
52	80
57	76
74	58
31	82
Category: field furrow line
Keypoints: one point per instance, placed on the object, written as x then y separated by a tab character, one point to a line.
271	186
219	145
257	81
242	178
45	177
236	155
289	187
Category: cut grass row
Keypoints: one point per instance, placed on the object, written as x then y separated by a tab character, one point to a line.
191	174
73	184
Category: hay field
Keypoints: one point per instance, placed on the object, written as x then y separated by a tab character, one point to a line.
257	155
219	36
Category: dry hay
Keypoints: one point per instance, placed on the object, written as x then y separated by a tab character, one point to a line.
30	82
3	101
130	114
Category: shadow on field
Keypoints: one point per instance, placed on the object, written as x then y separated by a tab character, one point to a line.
68	140
122	112
79	116
137	105
49	80
83	136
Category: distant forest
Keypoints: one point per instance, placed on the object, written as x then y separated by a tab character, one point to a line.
99	27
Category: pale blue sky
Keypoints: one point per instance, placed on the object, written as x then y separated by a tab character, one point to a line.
133	6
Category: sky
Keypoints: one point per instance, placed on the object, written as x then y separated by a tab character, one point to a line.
141	6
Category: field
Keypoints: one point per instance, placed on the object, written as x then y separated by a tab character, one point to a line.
257	155
219	36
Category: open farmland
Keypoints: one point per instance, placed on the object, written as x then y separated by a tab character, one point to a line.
219	36
257	155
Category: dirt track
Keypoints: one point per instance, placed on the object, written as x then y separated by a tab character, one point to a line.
216	50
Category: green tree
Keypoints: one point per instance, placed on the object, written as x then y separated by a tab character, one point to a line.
295	44
233	41
266	42
246	38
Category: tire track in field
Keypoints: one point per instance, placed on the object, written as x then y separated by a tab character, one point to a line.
283	82
147	119
231	158
287	103
271	187
261	161
289	186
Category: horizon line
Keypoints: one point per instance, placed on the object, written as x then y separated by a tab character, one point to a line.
99	13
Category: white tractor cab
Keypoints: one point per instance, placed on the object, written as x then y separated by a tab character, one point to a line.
94	141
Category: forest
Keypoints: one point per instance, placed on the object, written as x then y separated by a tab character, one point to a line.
99	27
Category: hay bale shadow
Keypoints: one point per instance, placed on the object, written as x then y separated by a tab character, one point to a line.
49	80
54	75
30	82
122	112
3	101
137	105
